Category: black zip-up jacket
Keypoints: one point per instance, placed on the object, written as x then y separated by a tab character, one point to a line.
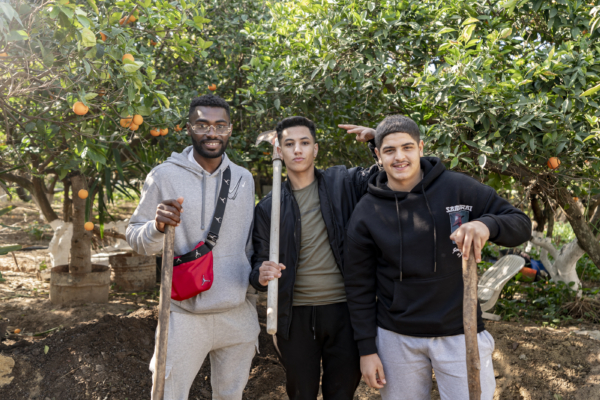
402	272
340	189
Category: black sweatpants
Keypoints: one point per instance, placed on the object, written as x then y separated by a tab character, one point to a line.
320	333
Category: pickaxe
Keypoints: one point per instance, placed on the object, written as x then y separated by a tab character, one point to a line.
273	288
469	268
164	312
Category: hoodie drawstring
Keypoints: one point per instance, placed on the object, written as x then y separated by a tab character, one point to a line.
434	233
203	199
399	233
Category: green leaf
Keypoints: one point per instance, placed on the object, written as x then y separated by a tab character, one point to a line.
131	67
93	155
590	91
6	210
88	38
454	162
92	4
470	21
505	33
163	98
277	103
482	159
7	249
90	96
46	349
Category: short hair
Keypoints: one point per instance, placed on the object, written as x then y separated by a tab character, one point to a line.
295	121
209	100
395	124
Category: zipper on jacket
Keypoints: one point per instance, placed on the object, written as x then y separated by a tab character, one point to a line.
297	235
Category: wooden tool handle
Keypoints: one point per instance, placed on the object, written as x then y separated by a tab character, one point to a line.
469	268
164	310
273	288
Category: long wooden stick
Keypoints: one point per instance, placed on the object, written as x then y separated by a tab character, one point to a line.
273	288
469	268
164	310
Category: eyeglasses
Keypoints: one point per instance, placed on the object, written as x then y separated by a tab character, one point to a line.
204	129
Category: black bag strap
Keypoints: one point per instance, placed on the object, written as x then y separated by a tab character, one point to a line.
215	226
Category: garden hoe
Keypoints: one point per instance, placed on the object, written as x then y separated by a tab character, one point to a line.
164	310
469	268
271	137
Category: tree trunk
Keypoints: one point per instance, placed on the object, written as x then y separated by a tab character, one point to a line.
550	215
564	266
538	213
41	199
67	202
81	253
584	233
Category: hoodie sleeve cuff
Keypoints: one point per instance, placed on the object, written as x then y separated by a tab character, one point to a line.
367	347
491	224
154	234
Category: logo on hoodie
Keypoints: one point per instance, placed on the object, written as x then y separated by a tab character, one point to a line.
459	215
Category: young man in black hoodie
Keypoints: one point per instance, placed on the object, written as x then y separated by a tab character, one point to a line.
313	323
403	269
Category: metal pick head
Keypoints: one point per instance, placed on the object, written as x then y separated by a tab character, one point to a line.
268	136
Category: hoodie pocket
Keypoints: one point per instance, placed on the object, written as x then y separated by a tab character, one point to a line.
436	296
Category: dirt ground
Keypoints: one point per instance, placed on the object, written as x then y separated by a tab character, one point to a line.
102	351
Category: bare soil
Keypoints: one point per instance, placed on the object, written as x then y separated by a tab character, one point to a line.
102	351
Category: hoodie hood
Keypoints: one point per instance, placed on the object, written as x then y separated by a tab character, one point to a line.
432	168
183	160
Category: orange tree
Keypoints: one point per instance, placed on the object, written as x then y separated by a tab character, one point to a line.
498	88
76	81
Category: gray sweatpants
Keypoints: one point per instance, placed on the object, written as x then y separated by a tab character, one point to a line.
407	363
230	338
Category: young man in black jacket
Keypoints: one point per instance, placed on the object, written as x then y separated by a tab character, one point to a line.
313	318
403	269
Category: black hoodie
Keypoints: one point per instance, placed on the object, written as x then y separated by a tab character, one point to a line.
402	272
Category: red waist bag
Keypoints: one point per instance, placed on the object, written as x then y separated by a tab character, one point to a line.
193	271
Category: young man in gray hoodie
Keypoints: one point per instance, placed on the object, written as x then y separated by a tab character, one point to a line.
221	321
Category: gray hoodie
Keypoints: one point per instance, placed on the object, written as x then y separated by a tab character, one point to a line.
180	177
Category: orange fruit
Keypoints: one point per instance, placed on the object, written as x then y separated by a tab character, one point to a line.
138	119
575	199
122	21
83	194
128	57
212	87
177	128
3	54
553	162
125	122
133	127
153	43
163	132
103	36
88	226
132	19
17	331
101	92
154	132
80	109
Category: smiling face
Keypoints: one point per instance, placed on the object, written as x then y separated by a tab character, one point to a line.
209	145
298	149
400	156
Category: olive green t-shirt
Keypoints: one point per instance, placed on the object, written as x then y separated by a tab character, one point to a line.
318	278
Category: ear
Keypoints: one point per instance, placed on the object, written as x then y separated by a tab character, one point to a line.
378	156
316	150
421	146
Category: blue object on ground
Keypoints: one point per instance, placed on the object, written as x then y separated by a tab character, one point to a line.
538	266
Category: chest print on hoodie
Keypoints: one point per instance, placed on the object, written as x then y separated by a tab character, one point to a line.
459	215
